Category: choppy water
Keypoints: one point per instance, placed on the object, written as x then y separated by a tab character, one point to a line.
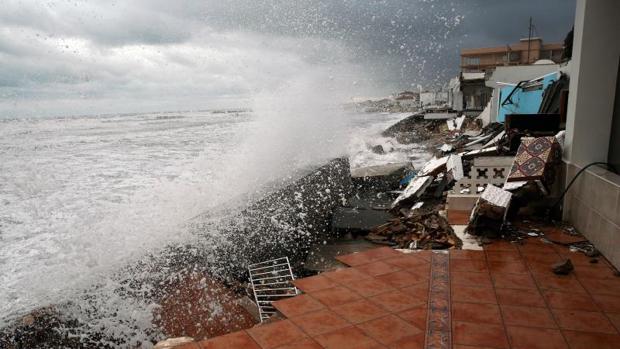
82	196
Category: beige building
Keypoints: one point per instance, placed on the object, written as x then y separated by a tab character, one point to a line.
522	53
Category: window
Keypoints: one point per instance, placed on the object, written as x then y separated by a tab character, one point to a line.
471	60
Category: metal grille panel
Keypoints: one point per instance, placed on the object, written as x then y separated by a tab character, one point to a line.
271	281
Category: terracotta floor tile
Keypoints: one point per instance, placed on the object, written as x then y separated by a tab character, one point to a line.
601	286
528	298
545	258
407	261
303	344
415	316
319	322
578	258
458	217
527	316
540	268
473	294
471	279
467	254
411	342
370	287
298	305
276	334
389	329
515	281
476	312
236	340
589	340
359	311
535	338
476	265
508	267
395	301
401	279
537	248
423	254
345	276
335	296
503	256
382	253
377	268
489	335
418	291
565	283
500	245
368	256
346	338
314	283
354	259
615	319
569	300
594	271
587	321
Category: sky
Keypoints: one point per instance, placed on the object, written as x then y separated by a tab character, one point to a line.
94	57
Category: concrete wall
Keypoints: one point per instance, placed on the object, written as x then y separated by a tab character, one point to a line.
592	204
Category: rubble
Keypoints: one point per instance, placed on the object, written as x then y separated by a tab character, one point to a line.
424	230
563	268
490	212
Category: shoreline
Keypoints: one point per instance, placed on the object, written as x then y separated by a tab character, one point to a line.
40	322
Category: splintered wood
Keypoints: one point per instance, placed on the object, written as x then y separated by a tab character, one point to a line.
420	231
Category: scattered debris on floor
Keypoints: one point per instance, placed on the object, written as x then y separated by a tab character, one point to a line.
425	231
563	268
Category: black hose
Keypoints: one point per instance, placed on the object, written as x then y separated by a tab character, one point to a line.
610	167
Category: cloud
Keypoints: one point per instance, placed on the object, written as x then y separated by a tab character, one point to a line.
62	57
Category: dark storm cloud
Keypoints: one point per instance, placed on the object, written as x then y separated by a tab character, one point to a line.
209	49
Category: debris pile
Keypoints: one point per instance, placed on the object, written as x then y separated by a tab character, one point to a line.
424	231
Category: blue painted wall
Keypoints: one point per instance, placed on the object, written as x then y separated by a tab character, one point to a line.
524	102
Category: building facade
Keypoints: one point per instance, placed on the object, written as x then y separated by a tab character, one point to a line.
526	51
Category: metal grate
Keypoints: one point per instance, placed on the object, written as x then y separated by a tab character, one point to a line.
271	281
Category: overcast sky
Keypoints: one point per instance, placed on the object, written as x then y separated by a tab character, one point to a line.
92	57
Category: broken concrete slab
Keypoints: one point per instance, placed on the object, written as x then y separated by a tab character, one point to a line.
439	116
454	166
434	166
382	177
414	190
357	221
490	212
456	123
322	257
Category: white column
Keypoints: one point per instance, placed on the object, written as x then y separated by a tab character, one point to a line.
596	52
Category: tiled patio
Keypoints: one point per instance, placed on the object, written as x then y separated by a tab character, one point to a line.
503	297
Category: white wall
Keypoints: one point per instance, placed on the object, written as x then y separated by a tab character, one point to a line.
596	50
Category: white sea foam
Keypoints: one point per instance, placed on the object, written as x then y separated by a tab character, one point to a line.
82	197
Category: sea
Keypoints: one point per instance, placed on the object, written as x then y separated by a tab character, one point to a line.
83	196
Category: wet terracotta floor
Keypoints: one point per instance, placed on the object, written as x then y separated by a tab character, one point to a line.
503	297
